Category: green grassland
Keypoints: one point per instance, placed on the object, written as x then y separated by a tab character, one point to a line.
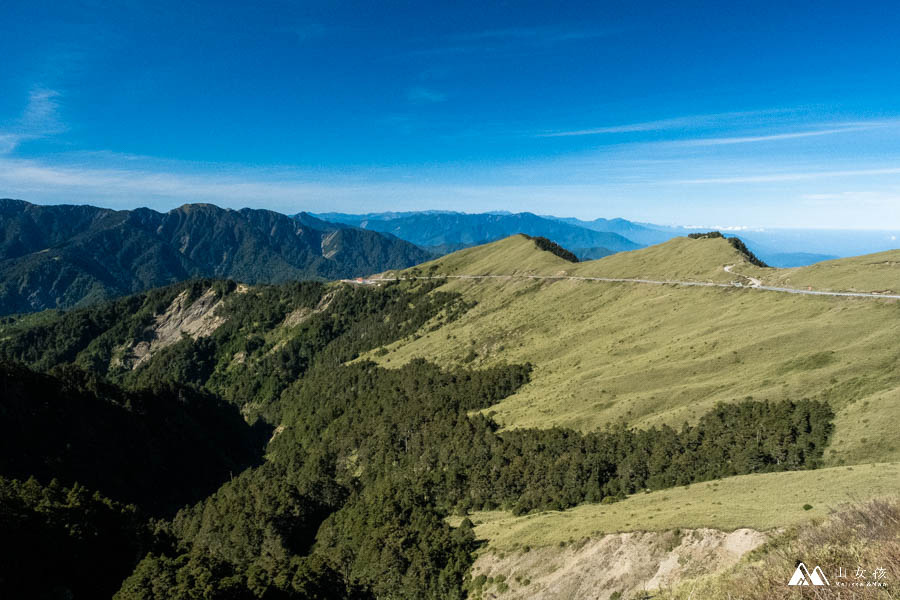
680	259
762	502
868	273
515	255
651	354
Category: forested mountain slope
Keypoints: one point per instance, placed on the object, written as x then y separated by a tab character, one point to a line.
161	447
65	256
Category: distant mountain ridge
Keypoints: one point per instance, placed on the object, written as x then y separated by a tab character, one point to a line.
63	256
442	232
644	234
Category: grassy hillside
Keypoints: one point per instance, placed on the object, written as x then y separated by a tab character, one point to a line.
648	354
867	273
515	255
679	259
762	502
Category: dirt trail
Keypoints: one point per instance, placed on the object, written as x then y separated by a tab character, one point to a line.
756	284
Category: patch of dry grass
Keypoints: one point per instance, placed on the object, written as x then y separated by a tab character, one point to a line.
761	502
863	536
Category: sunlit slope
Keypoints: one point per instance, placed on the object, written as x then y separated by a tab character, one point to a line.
761	502
515	255
678	259
649	354
868	273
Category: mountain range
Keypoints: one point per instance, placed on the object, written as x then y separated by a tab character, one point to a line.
64	256
443	232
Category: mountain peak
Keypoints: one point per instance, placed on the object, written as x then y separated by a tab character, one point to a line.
517	254
680	258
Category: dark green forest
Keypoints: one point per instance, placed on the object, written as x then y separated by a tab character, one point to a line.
265	459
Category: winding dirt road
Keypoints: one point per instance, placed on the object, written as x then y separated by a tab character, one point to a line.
755	284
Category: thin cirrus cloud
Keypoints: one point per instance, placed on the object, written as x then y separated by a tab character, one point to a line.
759	120
723	141
684	122
531	34
795	176
35	177
513	40
39	119
423	95
281	191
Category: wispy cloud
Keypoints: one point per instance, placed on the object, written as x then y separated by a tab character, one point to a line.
127	183
685	122
8	142
509	41
39	119
42	112
532	34
285	191
794	176
422	95
748	139
138	185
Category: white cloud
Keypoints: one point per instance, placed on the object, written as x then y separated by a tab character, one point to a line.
797	176
720	141
685	122
287	191
41	114
40	118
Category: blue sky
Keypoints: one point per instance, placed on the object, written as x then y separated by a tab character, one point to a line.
709	113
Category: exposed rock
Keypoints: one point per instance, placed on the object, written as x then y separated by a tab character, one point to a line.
624	562
196	319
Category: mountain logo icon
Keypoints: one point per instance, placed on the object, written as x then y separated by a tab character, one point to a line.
802	576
